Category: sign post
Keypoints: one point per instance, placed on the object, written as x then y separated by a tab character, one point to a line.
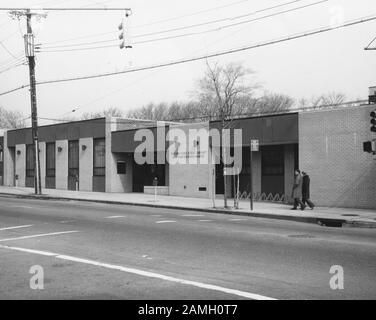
254	147
155	184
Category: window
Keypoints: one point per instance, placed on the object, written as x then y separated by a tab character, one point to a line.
273	161
29	160
50	159
73	162
121	167
99	161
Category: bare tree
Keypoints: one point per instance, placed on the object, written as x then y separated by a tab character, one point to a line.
10	119
272	103
222	92
109	112
328	99
333	98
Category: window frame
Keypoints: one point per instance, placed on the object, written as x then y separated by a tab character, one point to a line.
99	170
29	150
51	172
73	171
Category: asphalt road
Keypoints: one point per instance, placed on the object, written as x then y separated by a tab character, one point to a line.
99	251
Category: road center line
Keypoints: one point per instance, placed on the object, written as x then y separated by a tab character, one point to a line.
38	235
193	215
205	220
143	273
16	227
237	219
165	221
114	217
25	207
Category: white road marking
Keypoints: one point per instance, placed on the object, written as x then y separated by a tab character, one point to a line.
38	235
193	215
114	217
156	215
25	207
166	221
16	227
143	273
67	221
237	219
205	220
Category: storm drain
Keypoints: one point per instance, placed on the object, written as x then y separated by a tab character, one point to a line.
333	223
301	236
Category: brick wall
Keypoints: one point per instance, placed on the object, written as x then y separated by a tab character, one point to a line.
331	151
62	164
186	179
86	164
20	169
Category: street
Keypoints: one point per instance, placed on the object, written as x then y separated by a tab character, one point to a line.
101	251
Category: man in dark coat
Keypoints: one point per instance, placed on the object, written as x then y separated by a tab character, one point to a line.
297	191
305	190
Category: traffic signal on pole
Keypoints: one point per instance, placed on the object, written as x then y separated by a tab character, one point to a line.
367	146
124	35
373	120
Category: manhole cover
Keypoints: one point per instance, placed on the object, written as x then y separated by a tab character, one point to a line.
305	236
349	215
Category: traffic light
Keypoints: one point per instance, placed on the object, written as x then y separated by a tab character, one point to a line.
373	120
369	146
124	35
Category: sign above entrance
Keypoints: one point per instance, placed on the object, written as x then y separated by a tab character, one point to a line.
254	145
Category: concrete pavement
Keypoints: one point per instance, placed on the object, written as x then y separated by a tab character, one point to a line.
345	217
102	251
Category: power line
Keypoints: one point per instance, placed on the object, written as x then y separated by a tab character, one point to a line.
196	25
233	18
212	55
239	116
156	22
12	67
191	14
10	62
7	50
369	45
67	9
181	35
152	23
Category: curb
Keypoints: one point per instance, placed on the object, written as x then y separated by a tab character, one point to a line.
328	222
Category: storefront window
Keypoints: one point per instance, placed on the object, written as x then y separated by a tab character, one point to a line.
99	160
50	159
29	160
73	158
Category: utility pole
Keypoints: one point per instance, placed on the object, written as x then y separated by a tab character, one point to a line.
30	54
29	50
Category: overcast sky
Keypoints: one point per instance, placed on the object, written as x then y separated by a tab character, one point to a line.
332	61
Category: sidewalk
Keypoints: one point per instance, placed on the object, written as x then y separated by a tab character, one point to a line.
325	216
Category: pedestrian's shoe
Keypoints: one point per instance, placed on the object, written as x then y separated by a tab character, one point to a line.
294	208
312	207
302	208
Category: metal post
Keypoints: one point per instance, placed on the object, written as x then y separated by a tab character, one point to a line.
33	98
251	180
155	183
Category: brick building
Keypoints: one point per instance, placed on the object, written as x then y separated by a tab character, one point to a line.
99	155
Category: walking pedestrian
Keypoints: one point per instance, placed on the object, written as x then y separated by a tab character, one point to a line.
297	191
305	190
